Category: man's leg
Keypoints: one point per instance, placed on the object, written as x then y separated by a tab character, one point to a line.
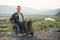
30	29
25	29
20	27
29	25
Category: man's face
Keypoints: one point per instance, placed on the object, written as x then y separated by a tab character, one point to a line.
18	9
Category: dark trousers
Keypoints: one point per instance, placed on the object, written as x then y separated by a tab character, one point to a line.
23	27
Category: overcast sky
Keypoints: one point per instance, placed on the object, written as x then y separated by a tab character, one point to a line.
35	4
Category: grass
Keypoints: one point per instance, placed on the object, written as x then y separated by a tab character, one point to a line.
38	24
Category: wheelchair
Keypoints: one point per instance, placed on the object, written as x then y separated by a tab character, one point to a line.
29	30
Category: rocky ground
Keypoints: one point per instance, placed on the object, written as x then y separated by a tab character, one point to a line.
49	35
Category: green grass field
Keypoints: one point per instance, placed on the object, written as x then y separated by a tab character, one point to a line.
38	23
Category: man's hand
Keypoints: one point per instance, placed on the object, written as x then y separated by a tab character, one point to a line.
14	24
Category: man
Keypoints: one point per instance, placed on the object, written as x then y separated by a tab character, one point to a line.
18	22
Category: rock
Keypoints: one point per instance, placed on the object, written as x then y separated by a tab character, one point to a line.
49	35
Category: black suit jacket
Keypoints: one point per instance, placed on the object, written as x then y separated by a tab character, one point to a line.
15	17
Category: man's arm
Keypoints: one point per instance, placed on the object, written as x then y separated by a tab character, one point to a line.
12	20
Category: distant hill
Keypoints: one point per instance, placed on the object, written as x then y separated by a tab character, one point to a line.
58	14
9	10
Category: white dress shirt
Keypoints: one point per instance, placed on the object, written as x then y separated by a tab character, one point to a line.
20	18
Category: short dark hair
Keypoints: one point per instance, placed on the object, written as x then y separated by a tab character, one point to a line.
18	6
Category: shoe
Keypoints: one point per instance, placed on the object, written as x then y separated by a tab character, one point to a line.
24	33
20	34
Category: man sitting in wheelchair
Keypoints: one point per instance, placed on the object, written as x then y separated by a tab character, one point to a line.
19	24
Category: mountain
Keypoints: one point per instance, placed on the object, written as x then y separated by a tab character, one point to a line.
58	14
9	10
6	10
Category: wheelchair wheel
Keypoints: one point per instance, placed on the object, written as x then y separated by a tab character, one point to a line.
16	29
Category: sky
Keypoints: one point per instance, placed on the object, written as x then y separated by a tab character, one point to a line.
35	4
